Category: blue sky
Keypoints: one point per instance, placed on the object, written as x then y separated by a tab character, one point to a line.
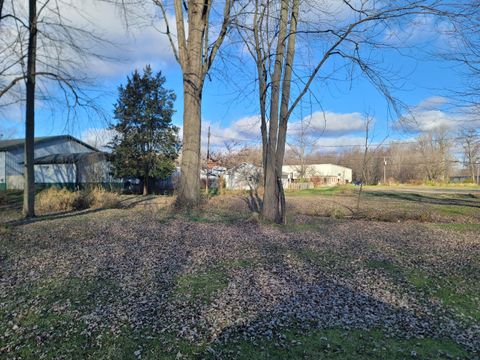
232	112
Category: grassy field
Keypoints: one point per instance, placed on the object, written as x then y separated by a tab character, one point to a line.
398	279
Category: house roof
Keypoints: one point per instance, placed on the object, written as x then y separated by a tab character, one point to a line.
67	158
14	143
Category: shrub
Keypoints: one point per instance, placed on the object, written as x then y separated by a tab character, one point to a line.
336	213
100	198
54	200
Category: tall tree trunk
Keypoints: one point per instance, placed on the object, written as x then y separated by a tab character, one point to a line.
195	54
29	149
284	114
145	186
274	198
193	75
270	209
189	192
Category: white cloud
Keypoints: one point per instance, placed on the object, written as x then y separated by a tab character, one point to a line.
246	130
421	29
328	123
112	48
433	113
432	103
134	45
98	137
332	143
327	126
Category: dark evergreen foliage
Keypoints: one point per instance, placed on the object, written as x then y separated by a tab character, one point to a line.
146	143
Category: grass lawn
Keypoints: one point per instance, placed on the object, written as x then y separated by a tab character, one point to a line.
143	282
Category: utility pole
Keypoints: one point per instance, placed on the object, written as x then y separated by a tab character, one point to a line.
384	170
208	158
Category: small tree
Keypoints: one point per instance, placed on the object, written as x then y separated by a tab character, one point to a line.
470	141
146	143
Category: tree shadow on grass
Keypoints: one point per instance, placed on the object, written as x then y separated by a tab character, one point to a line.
137	200
309	299
468	201
134	271
52	216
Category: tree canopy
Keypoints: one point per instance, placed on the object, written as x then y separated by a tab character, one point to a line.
146	143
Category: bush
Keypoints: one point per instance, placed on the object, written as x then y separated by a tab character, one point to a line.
100	198
336	213
55	200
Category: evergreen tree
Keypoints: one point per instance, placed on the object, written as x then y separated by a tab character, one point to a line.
146	143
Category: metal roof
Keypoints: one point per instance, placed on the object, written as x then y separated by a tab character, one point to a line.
14	143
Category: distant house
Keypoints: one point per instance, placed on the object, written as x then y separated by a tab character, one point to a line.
244	176
320	174
59	161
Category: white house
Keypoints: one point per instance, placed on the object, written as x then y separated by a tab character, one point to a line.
324	174
59	161
244	176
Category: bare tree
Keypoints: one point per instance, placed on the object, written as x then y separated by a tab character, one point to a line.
195	52
470	141
365	159
47	47
465	54
301	143
233	153
270	35
434	147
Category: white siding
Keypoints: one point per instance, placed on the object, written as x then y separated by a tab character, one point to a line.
243	177
55	174
14	158
322	170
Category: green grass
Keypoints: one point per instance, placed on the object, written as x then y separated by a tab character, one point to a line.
201	286
46	315
456	210
60	333
460	294
385	265
147	344
333	190
346	345
459	227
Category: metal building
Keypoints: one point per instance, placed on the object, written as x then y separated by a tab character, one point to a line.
324	174
59	161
